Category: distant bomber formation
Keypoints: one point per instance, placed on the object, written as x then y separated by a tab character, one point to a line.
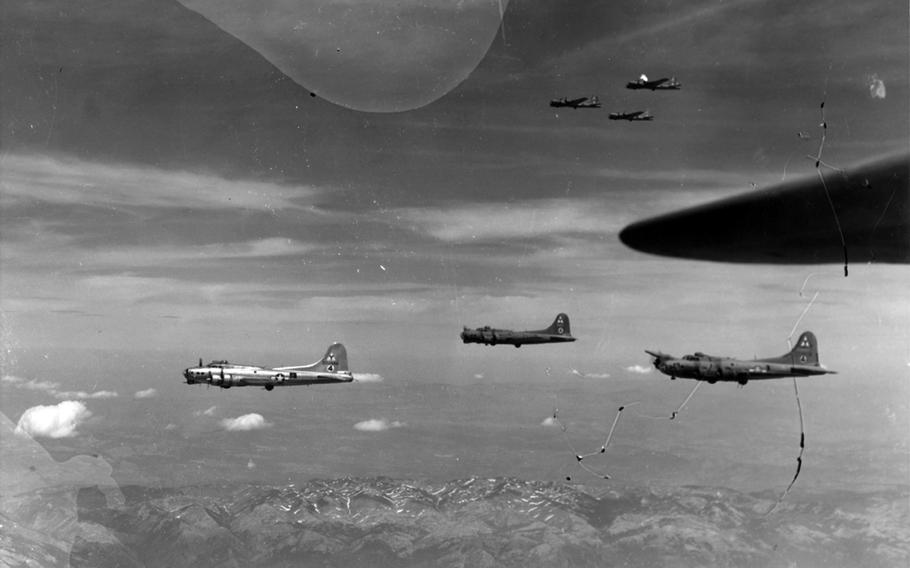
801	361
332	368
558	332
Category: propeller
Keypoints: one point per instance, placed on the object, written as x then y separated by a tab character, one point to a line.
200	361
659	357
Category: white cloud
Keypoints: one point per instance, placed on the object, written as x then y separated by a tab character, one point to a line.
550	421
34	384
72	181
876	87
50	387
640	369
141	256
246	422
210	411
82	395
591	375
58	421
147	393
598	375
368	377
478	376
377	425
507	221
170	426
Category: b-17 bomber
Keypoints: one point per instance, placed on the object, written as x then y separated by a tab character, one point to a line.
663	84
581	102
332	368
631	116
558	332
801	361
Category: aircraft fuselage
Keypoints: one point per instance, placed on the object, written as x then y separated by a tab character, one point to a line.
489	336
228	375
713	369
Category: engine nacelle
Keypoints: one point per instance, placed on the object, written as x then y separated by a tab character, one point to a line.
223	381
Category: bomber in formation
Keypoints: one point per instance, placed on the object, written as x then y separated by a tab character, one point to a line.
558	332
581	102
664	84
801	361
632	116
331	369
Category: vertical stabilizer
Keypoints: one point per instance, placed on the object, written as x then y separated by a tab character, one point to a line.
560	326
335	359
805	352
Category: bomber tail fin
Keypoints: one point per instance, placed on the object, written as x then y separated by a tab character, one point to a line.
335	359
560	326
805	352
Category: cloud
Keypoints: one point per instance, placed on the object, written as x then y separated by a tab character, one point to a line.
550	421
547	217
76	182
151	256
66	395
377	425
210	411
244	423
478	376
368	377
876	87
147	393
591	375
59	421
640	369
170	426
50	387
34	384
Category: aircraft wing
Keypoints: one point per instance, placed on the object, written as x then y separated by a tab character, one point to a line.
793	222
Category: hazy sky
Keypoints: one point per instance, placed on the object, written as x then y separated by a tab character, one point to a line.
165	186
170	192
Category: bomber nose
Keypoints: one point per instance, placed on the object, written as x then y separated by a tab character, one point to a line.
187	376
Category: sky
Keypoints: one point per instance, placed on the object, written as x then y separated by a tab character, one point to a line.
203	179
